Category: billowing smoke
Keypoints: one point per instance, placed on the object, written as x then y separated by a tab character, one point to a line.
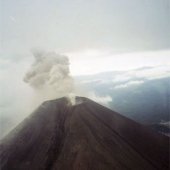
49	75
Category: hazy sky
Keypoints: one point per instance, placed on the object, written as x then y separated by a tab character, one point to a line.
67	25
100	35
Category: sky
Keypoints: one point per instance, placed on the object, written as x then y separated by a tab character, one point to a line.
96	61
96	35
79	26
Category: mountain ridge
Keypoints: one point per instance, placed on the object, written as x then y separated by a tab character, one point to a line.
83	136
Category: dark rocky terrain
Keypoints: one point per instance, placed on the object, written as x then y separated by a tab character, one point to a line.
85	136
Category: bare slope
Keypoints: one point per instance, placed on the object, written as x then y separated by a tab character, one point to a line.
86	136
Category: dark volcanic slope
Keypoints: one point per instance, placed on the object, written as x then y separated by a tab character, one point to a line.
86	136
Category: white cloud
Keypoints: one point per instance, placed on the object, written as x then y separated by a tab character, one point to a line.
145	73
121	78
130	83
96	61
104	100
154	73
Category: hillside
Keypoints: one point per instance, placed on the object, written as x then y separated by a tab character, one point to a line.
85	136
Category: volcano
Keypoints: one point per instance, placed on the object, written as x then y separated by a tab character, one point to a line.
83	136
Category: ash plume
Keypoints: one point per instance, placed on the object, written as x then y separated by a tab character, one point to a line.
49	75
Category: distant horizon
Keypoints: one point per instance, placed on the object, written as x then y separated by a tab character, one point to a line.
92	61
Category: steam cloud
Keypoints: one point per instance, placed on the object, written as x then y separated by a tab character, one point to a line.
49	75
50	78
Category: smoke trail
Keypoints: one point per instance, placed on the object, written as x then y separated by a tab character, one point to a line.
49	75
